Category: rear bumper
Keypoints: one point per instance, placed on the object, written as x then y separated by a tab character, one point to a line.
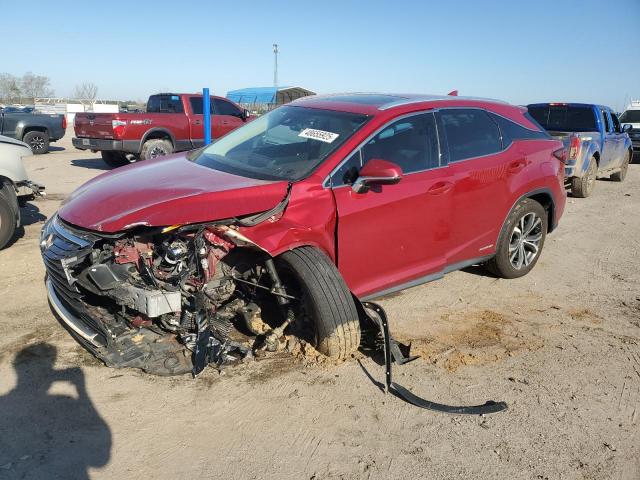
129	146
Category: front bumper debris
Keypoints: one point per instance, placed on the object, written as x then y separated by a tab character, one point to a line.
27	188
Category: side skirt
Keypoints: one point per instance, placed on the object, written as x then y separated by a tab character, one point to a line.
428	278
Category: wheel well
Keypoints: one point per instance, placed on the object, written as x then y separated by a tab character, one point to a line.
34	129
159	135
546	201
596	155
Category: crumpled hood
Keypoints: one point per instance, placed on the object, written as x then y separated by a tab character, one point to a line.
166	191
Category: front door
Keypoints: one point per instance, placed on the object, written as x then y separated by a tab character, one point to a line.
620	151
227	117
393	235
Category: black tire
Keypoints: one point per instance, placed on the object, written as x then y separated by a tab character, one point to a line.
583	187
9	214
38	141
156	148
114	159
501	265
622	174
326	303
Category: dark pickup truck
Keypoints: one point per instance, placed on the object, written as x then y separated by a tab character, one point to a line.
172	123
35	129
597	144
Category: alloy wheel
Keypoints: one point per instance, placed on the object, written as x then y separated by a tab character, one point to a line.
36	143
524	244
157	152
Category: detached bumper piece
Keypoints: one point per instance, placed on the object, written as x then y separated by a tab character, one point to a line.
392	352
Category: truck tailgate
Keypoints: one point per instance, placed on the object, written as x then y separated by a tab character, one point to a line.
94	125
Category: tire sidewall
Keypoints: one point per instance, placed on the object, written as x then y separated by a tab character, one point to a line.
34	133
9	216
501	260
150	145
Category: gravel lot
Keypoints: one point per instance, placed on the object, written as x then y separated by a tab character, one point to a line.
561	346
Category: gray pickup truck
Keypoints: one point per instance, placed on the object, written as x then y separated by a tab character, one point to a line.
35	129
597	145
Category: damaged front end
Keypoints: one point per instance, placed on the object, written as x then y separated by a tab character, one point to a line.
166	300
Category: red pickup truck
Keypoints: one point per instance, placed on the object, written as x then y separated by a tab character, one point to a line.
172	123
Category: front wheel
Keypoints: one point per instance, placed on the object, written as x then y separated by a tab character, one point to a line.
622	174
38	141
326	313
521	241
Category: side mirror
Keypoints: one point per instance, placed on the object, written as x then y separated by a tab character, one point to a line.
245	115
627	127
377	172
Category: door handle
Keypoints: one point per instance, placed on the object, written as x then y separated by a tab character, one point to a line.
197	122
439	188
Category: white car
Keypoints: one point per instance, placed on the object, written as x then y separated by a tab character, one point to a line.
631	116
15	187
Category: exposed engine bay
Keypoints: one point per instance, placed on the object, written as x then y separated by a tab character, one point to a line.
169	300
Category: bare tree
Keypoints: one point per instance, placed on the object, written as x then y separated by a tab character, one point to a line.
87	92
9	87
33	86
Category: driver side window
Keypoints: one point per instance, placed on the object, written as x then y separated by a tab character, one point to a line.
411	143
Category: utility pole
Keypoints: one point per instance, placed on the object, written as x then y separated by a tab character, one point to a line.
275	65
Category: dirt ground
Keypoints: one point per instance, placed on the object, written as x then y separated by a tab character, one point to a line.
561	346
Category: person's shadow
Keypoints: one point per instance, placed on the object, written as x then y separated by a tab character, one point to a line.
45	435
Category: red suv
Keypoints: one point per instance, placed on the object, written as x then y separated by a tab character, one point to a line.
285	221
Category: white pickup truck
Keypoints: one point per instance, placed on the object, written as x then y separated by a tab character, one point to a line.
631	116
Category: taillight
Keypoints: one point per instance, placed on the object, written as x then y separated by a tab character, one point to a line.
574	147
64	122
561	154
118	128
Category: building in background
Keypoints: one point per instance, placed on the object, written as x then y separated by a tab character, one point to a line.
263	99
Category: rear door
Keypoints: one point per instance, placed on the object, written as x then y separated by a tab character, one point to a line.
609	141
620	150
196	121
482	173
394	234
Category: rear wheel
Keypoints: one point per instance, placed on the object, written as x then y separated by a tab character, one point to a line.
155	148
114	159
326	312
38	141
583	187
521	240
621	175
9	212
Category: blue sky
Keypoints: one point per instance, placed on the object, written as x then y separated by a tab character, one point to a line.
513	50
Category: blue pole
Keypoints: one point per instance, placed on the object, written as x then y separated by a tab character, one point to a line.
206	110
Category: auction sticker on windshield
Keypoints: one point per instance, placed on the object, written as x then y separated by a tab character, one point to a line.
327	137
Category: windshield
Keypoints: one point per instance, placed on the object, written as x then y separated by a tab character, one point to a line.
285	144
564	118
630	116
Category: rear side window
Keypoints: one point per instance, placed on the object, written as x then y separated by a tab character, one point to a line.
222	107
564	118
470	133
164	104
196	105
512	131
